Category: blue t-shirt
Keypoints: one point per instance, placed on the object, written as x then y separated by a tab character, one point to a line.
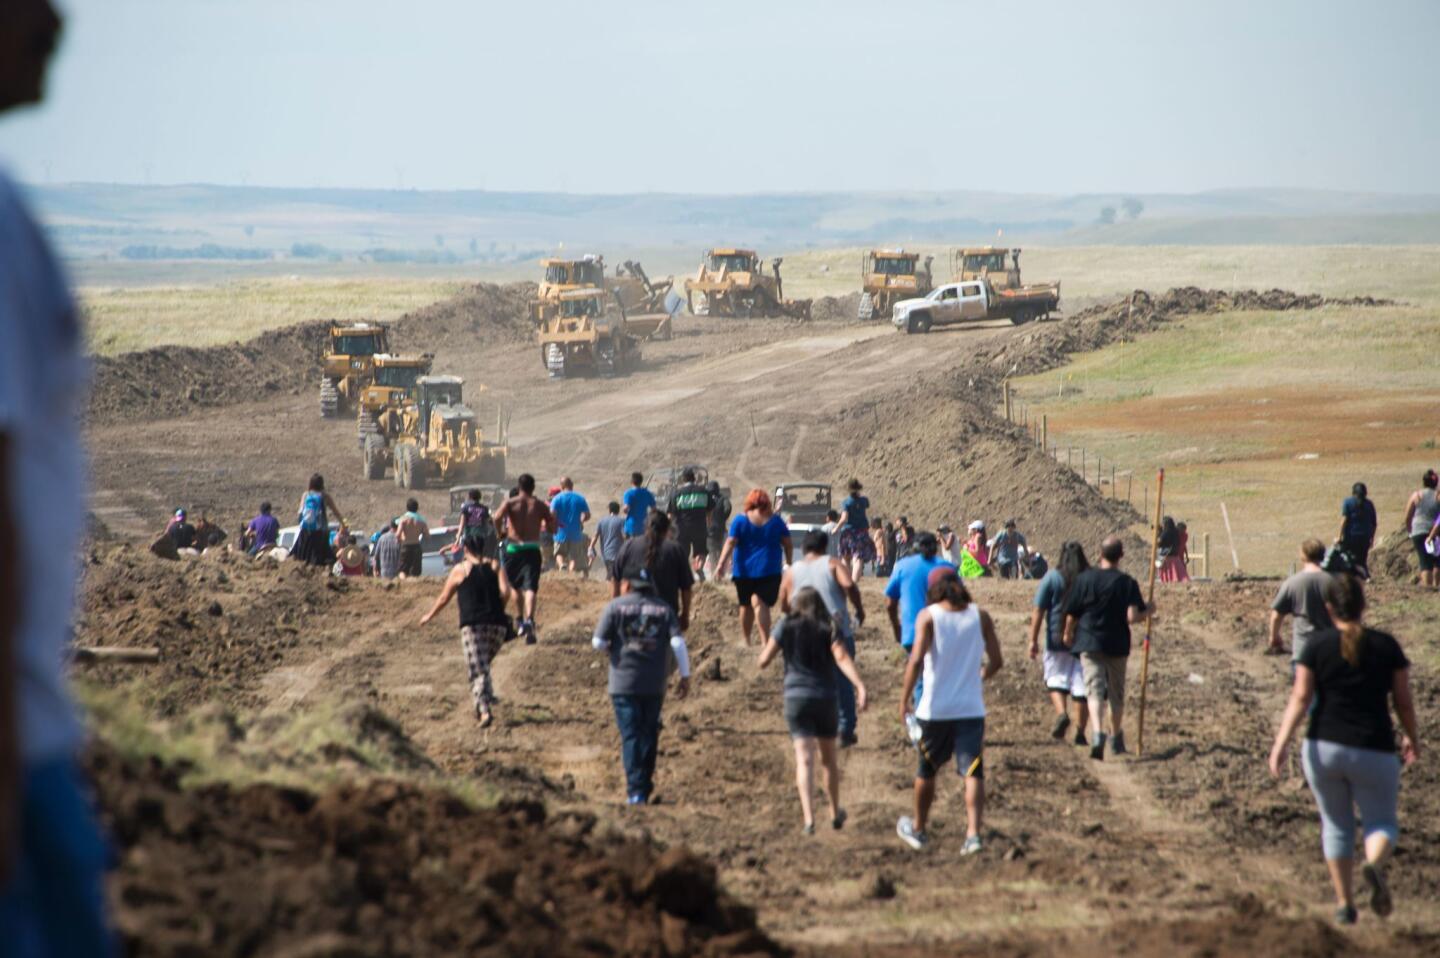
568	507
1359	515
908	582
855	508
638	503
758	550
1047	597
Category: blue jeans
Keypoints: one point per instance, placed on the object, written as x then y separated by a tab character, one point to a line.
54	904
845	692
638	717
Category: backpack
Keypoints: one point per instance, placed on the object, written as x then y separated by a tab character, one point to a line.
1338	559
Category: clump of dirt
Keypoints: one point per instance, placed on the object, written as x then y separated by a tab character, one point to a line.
1394	558
836	309
174	380
221	620
385	868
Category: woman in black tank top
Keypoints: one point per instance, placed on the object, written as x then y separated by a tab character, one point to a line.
481	591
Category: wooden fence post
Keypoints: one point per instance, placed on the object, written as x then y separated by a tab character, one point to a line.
1006	387
1206	554
1129	483
1044	430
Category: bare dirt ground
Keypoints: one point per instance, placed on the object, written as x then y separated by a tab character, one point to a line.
1188	850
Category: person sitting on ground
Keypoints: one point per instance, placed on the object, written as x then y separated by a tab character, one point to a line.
350	558
856	543
1302	596
657	558
263	531
1062	671
638	501
208	535
639	632
1358	525
760	543
483	590
814	652
1010	547
181	532
956	651
830	577
412	530
1352	674
1421	514
978	549
387	552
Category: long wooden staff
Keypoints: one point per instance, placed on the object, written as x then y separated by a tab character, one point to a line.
1150	599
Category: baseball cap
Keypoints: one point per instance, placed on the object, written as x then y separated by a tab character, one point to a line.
939	574
554	491
977	526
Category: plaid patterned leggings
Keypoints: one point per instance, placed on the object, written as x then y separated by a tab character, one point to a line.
481	643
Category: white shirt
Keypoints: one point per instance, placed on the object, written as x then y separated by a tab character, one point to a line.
44	378
952	666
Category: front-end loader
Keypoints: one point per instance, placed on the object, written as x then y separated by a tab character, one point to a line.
733	282
347	366
891	275
588	334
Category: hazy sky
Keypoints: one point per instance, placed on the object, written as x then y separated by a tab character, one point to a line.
670	95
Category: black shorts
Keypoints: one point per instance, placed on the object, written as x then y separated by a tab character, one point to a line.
612	570
766	587
812	718
411	560
962	738
694	542
1427	561
523	568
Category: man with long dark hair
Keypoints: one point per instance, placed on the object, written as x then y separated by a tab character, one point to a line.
1064	676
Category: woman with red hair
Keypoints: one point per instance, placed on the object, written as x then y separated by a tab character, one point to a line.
759	540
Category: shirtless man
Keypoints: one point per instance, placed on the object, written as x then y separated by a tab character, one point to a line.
523	517
412	531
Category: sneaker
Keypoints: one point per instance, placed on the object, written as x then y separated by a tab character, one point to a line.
1117	743
905	828
808	828
635	800
1097	746
529	629
1062	724
1380	902
849	740
838	822
1345	915
1080	738
972	846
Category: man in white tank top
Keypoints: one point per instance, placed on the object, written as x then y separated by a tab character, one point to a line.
953	639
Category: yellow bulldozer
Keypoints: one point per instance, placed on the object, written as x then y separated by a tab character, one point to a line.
393	385
890	275
589	333
637	293
436	438
997	264
348	364
562	276
733	282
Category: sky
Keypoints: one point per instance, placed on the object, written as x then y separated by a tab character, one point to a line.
1036	96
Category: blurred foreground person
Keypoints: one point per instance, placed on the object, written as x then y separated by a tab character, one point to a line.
52	855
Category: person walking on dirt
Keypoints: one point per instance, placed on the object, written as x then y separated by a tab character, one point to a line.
1010	549
759	541
412	530
476	523
815	653
638	503
904	539
482	591
387	552
906	592
829	577
639	631
608	539
1358	525
524	517
656	558
1302	596
717	525
856	545
1421	514
1352	674
882	547
312	544
1102	605
956	651
690	510
571	513
52	853
1063	674
263	531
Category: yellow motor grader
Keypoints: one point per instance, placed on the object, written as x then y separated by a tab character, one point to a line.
392	386
347	366
891	275
437	438
733	282
589	333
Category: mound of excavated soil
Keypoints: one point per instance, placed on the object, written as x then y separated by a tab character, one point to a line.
836	309
387	869
173	380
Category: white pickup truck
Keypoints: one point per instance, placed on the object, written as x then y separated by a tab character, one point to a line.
973	301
